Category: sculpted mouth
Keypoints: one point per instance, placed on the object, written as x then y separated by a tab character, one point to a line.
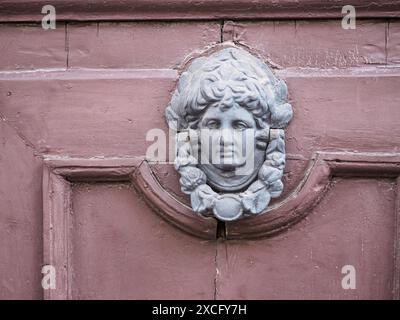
226	150
226	154
229	160
224	177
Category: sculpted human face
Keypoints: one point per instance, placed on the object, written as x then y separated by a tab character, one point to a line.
228	144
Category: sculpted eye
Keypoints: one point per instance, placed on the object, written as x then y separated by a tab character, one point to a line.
212	124
240	125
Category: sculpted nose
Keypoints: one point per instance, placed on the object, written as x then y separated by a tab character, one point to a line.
226	137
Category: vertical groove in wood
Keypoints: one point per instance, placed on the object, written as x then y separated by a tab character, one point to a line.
68	234
396	270
47	234
56	206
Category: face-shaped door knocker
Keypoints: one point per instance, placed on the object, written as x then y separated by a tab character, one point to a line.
229	111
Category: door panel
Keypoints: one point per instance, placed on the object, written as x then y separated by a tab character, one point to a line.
306	261
122	250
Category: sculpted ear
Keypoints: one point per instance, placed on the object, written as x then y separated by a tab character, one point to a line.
172	118
281	111
262	138
281	115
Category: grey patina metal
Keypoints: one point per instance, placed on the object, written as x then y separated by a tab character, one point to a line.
229	111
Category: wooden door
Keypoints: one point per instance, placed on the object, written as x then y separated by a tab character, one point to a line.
76	192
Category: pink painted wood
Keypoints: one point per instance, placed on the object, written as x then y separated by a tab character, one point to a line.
29	10
76	104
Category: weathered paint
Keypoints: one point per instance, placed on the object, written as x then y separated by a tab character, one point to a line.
93	90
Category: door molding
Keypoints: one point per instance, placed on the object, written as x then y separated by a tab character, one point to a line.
322	168
130	10
60	173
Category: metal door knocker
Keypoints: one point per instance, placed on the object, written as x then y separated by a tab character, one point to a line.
229	111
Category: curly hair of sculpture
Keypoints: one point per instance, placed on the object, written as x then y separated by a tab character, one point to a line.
229	111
